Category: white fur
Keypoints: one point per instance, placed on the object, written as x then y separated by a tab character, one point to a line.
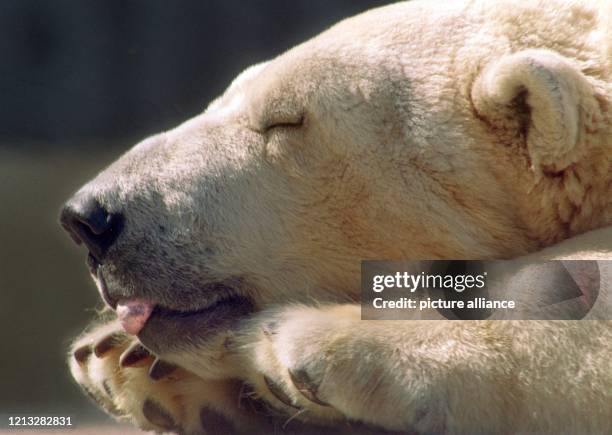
423	130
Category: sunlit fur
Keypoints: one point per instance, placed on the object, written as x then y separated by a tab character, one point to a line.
422	130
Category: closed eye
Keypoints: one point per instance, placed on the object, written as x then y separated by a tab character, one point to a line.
277	125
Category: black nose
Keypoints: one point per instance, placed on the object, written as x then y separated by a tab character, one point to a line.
88	222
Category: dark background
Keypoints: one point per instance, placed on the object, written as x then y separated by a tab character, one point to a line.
81	81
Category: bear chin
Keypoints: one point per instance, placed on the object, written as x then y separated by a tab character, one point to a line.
171	330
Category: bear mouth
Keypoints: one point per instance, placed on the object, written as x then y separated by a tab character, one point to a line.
167	329
161	328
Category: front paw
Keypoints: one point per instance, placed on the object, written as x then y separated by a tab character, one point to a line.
325	365
135	387
301	369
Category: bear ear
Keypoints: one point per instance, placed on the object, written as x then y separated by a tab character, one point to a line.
539	92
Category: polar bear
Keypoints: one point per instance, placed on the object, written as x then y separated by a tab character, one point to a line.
228	249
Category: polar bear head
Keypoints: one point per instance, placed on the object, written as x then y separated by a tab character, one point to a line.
411	131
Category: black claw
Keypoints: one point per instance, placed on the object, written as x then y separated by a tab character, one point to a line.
160	369
107	388
278	392
305	385
82	353
249	401
158	415
134	356
214	423
108	343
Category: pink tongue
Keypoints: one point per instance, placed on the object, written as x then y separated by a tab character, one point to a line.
133	314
